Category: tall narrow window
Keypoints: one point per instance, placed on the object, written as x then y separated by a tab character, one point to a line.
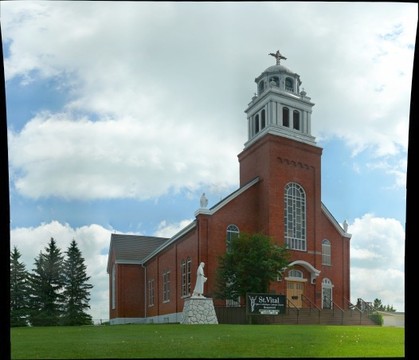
166	286
188	275
256	123
232	232
263	121
261	87
289	84
183	278
327	294
326	252
296	120
295	217
286	117
151	292
113	286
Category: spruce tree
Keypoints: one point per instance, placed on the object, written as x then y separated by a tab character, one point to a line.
46	287
19	290
76	288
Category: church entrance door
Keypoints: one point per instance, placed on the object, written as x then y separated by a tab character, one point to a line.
295	290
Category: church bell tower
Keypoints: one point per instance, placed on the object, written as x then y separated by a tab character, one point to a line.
280	149
279	107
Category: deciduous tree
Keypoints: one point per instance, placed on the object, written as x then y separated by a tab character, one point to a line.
251	263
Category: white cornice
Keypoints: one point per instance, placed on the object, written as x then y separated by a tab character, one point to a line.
286	133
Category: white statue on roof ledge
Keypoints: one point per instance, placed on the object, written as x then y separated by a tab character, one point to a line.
345	226
203	201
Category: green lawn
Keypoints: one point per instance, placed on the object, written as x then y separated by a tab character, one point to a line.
206	341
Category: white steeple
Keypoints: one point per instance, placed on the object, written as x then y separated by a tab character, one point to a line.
279	107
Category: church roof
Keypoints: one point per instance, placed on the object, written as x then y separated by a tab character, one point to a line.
132	249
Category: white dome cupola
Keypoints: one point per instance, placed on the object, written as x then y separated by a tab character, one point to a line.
279	106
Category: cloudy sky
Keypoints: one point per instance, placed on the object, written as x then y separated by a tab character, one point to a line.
121	114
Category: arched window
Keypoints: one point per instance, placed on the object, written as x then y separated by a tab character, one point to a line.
286	117
296	120
232	233
295	273
326	252
263	121
289	84
261	87
256	123
327	294
274	81
295	217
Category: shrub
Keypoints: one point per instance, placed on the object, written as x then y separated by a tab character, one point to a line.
377	318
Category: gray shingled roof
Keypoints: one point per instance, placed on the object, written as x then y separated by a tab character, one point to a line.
133	248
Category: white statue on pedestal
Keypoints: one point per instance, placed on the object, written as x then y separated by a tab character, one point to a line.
200	280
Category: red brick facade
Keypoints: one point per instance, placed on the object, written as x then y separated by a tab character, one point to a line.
267	165
259	209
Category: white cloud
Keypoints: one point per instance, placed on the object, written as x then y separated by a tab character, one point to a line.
168	230
55	155
146	71
377	260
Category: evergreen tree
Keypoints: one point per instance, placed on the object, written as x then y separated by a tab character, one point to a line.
76	288
378	305
19	290
251	263
46	287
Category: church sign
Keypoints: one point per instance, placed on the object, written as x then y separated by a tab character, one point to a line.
265	304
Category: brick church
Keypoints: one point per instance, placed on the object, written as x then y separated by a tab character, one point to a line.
279	195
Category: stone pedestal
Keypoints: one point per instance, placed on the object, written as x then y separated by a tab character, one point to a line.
199	310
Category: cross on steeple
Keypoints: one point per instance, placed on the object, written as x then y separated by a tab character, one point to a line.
278	57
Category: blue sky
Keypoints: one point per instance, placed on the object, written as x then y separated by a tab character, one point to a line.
121	114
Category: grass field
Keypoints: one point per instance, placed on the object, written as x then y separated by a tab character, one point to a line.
206	341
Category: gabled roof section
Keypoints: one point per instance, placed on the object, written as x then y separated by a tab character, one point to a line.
227	199
177	236
132	249
210	211
335	222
